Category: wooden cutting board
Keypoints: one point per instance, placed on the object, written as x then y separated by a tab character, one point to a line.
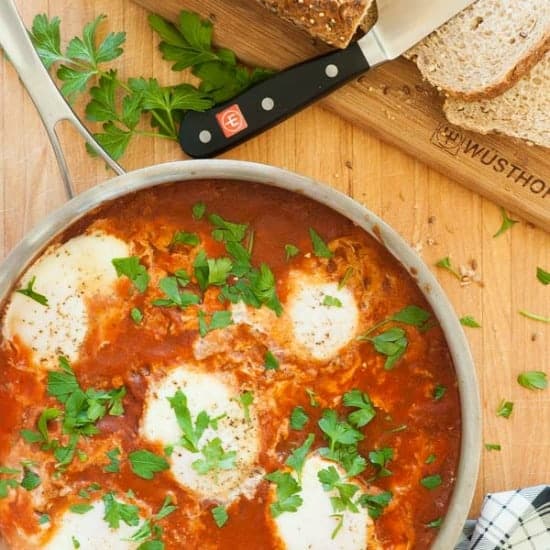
393	102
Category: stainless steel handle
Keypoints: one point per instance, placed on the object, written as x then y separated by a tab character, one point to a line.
17	45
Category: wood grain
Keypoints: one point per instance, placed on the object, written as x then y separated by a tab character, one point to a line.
431	211
393	102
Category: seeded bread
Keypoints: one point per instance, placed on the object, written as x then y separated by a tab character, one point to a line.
486	48
333	21
523	111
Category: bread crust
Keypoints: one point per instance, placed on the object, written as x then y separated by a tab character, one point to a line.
333	21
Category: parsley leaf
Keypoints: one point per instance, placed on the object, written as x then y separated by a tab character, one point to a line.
298	456
245	400
331	301
345	279
192	431
365	411
380	458
507	223
431	482
30	480
392	343
146	464
533	380
114	465
80	508
469	321
227	231
298	418
330	479
492	446
375	504
543	276
185	238
505	409
320	248
166	509
117	511
534	316
338	431
435	524
134	270
270	361
218	270
291	251
288	499
439	391
219	513
430	459
31	293
412	315
45	36
218	320
445	263
312	397
198	210
136	315
215	458
175	296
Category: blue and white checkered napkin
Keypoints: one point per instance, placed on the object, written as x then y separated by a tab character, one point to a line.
512	520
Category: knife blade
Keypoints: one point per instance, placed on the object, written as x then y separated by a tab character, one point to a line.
401	24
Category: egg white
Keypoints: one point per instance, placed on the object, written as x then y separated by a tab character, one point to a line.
91	531
313	525
66	274
205	392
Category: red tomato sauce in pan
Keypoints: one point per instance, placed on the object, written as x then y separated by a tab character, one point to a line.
416	401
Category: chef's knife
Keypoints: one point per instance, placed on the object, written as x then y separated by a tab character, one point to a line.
401	24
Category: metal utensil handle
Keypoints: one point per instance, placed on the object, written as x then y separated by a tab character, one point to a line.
49	102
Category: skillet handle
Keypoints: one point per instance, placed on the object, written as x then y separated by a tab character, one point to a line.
48	100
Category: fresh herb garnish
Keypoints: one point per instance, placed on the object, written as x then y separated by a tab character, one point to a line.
43	519
192	430
81	508
391	343
469	321
136	315
380	458
339	524
298	418
185	238
365	411
543	276
338	431
505	408
245	400
219	513
117	511
288	499
435	524
114	461
431	482
75	542
198	210
298	456
375	504
31	480
331	301
175	296
534	316
149	528
507	223
533	380
445	263
492	446
218	320
31	293
313	401
215	458
270	361
134	270
330	479
439	391
146	464
430	459
291	251
320	248
345	279
227	231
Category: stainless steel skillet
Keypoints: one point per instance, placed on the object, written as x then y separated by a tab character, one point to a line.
52	108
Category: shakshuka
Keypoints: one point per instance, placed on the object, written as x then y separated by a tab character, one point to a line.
222	365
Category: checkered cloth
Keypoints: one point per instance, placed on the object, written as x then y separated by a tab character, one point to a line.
513	520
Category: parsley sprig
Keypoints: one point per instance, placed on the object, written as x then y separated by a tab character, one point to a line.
121	106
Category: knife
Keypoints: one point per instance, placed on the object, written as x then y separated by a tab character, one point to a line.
401	24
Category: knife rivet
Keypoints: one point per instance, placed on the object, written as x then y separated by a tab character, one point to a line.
267	104
205	136
331	71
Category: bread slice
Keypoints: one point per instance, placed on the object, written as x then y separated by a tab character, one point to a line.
486	48
523	111
333	21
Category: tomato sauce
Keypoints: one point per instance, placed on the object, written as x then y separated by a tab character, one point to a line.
117	351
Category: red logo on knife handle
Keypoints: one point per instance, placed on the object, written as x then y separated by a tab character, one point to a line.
231	121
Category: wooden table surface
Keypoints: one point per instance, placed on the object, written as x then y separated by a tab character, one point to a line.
434	214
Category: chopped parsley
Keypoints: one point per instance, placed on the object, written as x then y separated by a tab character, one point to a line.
331	301
227	231
438	392
431	482
75	542
136	315
430	459
380	458
245	400
43	519
298	456
270	361
469	321
320	248
435	524
114	461
339	524
31	480
543	276
288	499
117	512
192	430
291	251
391	343
338	431
175	296
298	418
220	516
534	316
215	458
198	210
330	479
375	504
507	223
345	279
313	401
81	508
365	411
445	263
505	408
146	464
29	292
492	446
185	238
533	380
134	270
412	315
218	320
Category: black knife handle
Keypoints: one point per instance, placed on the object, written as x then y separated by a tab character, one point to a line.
268	103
